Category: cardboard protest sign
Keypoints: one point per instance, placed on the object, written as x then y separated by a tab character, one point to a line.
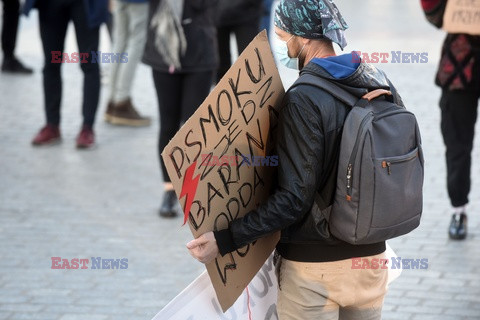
462	16
198	301
220	163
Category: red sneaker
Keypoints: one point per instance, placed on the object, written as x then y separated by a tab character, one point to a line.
86	138
49	134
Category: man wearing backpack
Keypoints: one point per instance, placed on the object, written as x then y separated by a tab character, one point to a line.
314	268
459	77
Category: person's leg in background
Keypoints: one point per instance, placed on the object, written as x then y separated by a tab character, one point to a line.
11	15
110	23
198	85
87	39
179	95
120	34
266	17
459	115
244	33
134	29
53	18
223	38
104	69
195	88
169	94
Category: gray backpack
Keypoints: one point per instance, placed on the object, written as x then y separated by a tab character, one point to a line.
379	182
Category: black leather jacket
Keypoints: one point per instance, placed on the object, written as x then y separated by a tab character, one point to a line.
307	143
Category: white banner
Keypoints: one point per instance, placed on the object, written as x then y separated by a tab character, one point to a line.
199	302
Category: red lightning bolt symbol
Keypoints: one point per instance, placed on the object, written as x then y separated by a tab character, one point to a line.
189	188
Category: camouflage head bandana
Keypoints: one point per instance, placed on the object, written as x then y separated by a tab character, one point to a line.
312	19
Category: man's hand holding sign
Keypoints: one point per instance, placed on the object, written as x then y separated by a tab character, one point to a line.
204	248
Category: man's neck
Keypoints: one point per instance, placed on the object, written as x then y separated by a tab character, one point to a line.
319	51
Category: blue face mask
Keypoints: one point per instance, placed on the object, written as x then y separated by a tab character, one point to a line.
281	50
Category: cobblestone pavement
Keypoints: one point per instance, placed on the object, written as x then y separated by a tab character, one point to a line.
61	202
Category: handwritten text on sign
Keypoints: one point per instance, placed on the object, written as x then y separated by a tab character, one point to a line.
236	120
462	16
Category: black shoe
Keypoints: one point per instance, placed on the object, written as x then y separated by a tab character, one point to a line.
458	227
170	206
12	65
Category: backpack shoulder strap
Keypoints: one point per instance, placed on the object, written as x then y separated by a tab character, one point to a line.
323	200
335	90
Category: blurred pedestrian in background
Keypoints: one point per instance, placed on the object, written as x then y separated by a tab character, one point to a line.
104	69
130	32
266	17
109	22
55	15
182	50
459	77
238	17
11	15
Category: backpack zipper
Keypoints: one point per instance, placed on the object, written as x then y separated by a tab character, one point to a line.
349	179
361	128
388	164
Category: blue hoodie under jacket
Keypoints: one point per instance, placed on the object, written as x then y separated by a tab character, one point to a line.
341	66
